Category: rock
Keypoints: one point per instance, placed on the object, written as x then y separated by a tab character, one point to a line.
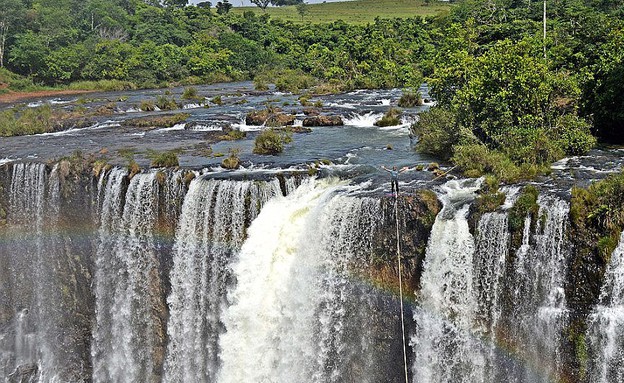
257	117
280	119
272	118
323	121
231	162
24	373
311	112
300	129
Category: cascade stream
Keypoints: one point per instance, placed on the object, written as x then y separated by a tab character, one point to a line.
177	276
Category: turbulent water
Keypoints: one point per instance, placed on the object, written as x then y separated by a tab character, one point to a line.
176	276
606	326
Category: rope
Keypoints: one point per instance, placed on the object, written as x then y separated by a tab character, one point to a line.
396	215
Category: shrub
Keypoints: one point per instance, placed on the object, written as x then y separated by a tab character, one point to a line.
217	100
437	132
260	84
410	100
232	161
475	160
147	106
159	121
391	118
271	142
165	103
164	160
190	93
233	135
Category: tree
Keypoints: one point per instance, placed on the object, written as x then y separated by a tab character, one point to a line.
176	3
302	9
261	3
281	3
223	7
11	12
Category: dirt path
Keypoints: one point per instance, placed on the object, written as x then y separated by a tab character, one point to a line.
13	97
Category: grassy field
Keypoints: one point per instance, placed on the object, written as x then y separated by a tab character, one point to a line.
354	12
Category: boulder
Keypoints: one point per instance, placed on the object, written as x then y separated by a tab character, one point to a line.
272	118
323	121
280	119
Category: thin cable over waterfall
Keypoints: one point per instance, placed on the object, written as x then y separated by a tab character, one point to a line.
396	216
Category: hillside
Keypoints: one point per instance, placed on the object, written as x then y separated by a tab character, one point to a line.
353	12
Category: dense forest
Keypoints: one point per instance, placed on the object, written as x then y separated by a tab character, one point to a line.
509	100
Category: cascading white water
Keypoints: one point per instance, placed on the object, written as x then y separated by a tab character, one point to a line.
445	349
539	313
34	297
489	276
128	335
211	230
288	318
606	324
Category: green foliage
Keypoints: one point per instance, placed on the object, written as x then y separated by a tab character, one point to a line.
164	160
391	118
410	99
19	122
597	213
232	161
437	132
190	93
525	206
489	198
233	135
271	142
166	103
158	121
476	160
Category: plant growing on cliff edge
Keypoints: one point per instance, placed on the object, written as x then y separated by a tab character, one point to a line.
410	99
271	142
232	161
164	160
597	214
391	118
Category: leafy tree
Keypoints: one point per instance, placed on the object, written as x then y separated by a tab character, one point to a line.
302	9
280	3
223	7
176	3
11	13
262	4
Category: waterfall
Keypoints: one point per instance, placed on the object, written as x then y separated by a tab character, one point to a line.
489	277
30	346
128	338
445	348
215	215
606	324
293	312
539	314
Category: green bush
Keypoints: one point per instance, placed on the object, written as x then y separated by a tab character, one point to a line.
271	142
164	160
391	118
190	93
410	100
166	103
475	160
232	161
437	132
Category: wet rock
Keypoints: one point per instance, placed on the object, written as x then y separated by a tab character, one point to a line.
311	111
273	118
323	121
24	373
280	119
